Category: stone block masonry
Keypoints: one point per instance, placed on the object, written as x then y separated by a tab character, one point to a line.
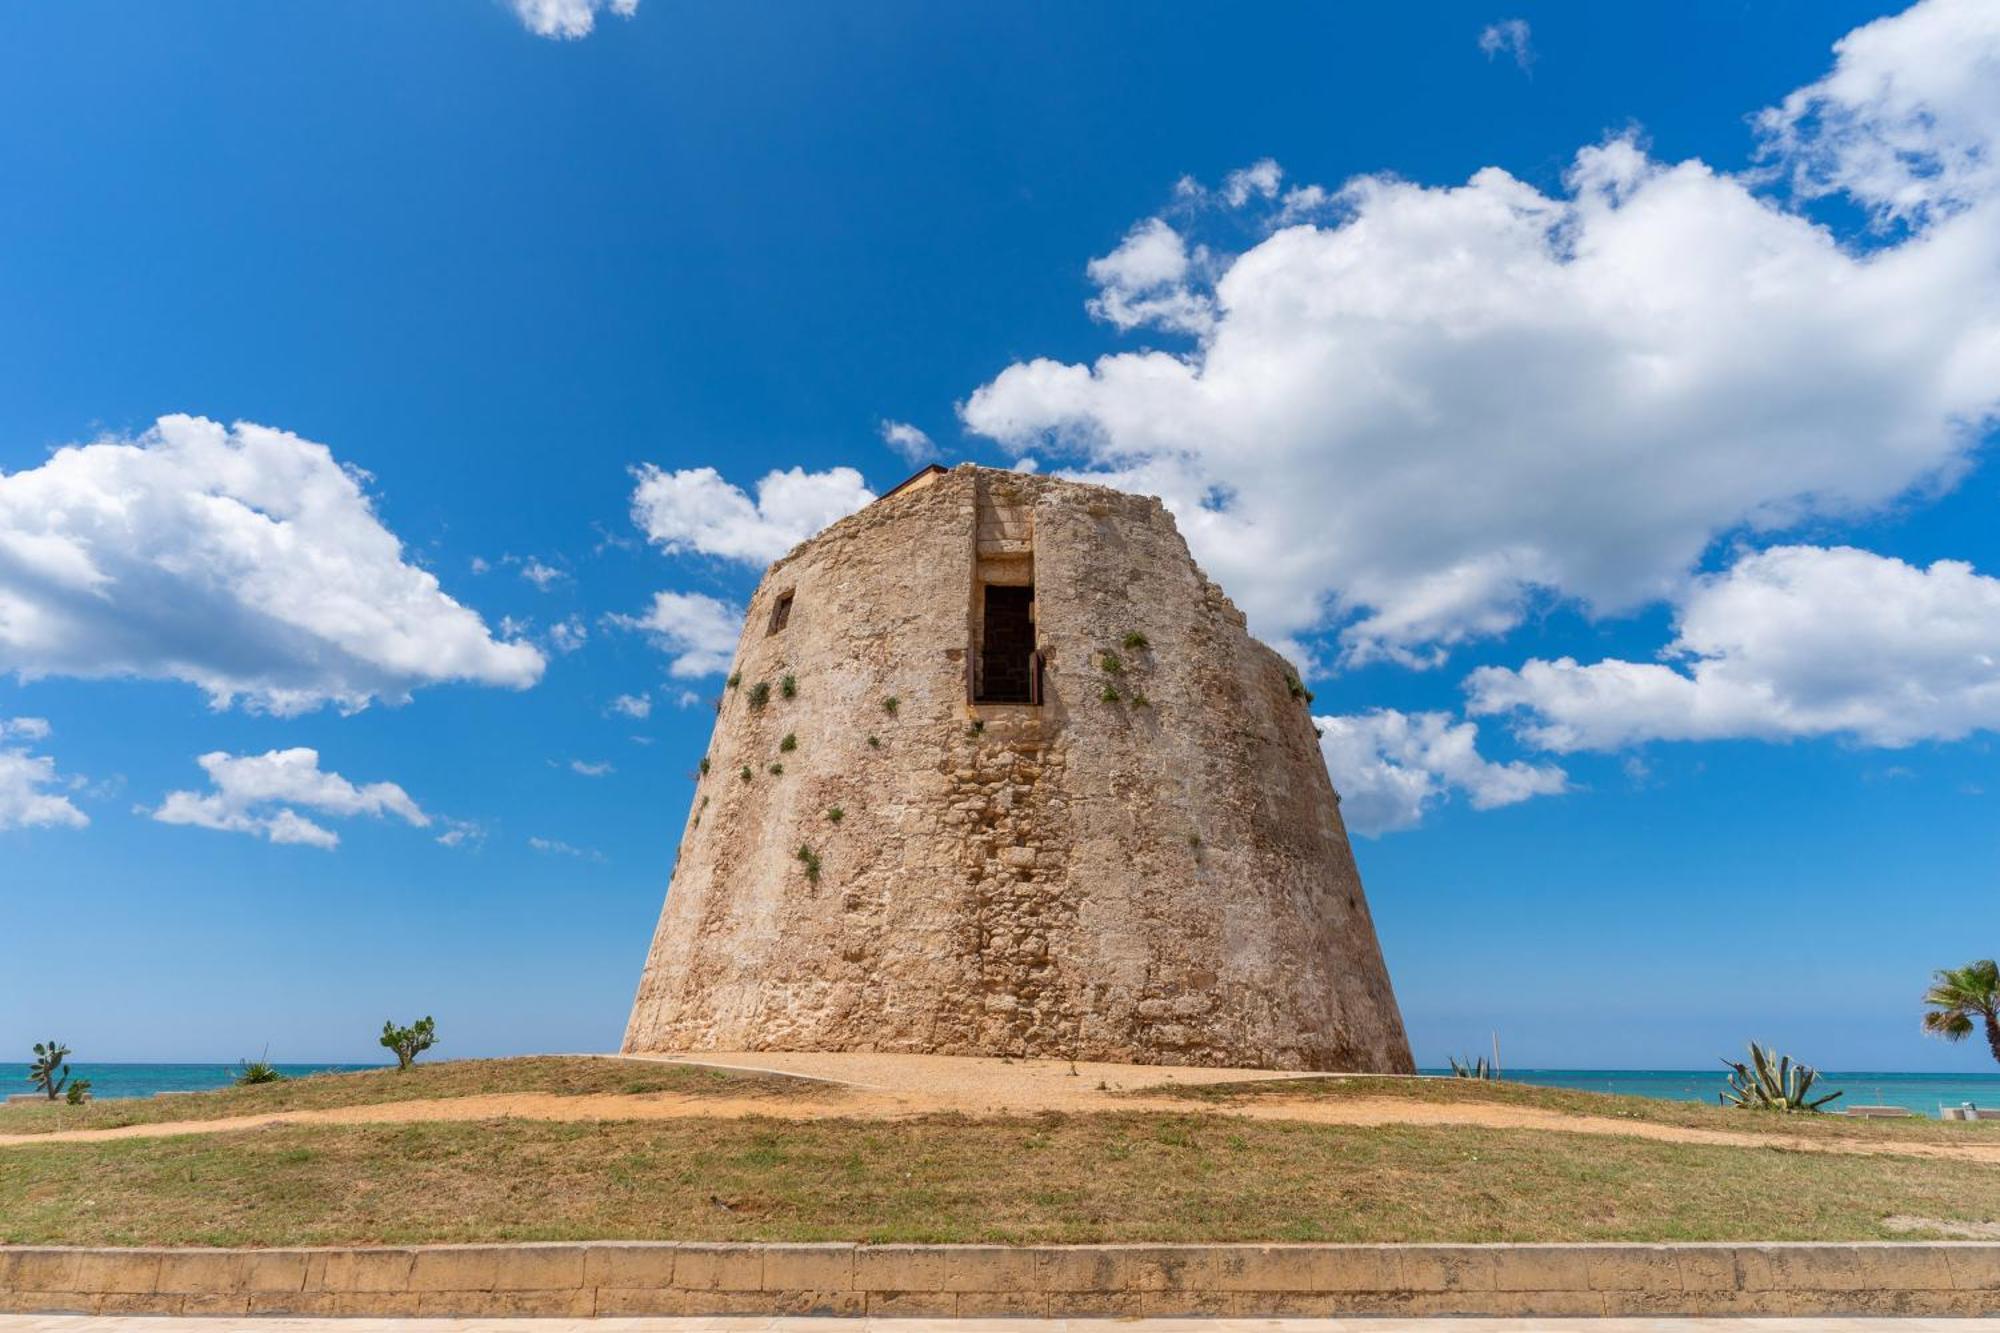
663	1278
1137	858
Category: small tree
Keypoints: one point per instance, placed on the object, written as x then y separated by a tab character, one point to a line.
410	1042
1958	996
48	1072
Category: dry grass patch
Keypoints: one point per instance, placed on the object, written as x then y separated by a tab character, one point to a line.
1101	1177
1569	1101
556	1075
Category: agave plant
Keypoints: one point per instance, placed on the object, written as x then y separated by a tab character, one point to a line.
1477	1068
1771	1082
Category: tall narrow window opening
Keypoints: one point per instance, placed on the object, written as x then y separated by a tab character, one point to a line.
1007	646
781	612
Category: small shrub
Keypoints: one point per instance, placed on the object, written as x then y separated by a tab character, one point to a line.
745	773
1139	699
810	859
891	704
1194	839
777	770
978	725
1297	688
1110	693
789	687
735	679
79	1092
410	1042
704	765
789	744
1113	664
260	1070
874	742
1135	642
49	1072
834	814
760	694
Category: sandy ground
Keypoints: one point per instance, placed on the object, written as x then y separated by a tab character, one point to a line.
877	1086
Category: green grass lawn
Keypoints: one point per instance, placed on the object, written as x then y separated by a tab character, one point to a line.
560	1075
1104	1177
1689	1115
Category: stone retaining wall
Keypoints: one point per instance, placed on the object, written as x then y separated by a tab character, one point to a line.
620	1278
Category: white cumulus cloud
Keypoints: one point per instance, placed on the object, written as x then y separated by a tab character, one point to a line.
1433	407
257	794
28	782
695	510
1391	767
1795	641
1908	119
243	560
568	18
633	705
698	630
910	442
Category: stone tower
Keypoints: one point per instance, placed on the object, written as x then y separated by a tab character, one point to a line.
1000	772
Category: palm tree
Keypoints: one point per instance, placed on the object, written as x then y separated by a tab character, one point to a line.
1957	994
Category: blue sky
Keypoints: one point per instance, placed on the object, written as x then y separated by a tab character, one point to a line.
1593	438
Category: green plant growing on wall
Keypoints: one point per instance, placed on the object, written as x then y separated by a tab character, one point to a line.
810	860
704	765
834	814
745	774
789	687
410	1042
1139	699
760	694
874	742
1110	693
1771	1082
735	679
1296	687
789	744
891	704
777	770
1135	642
977	725
49	1072
1113	664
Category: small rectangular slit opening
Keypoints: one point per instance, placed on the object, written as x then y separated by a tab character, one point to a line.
1008	667
781	612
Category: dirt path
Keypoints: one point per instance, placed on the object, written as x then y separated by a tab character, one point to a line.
863	1086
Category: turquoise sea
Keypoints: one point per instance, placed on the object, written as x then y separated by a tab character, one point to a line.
1922	1093
143	1080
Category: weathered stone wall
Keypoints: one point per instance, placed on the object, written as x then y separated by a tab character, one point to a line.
1149	867
647	1278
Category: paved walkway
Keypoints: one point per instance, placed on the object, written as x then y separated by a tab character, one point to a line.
90	1324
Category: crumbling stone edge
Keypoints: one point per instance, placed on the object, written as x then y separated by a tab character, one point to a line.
671	1278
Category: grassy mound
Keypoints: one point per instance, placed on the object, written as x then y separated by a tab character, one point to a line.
1569	1101
558	1075
1101	1177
